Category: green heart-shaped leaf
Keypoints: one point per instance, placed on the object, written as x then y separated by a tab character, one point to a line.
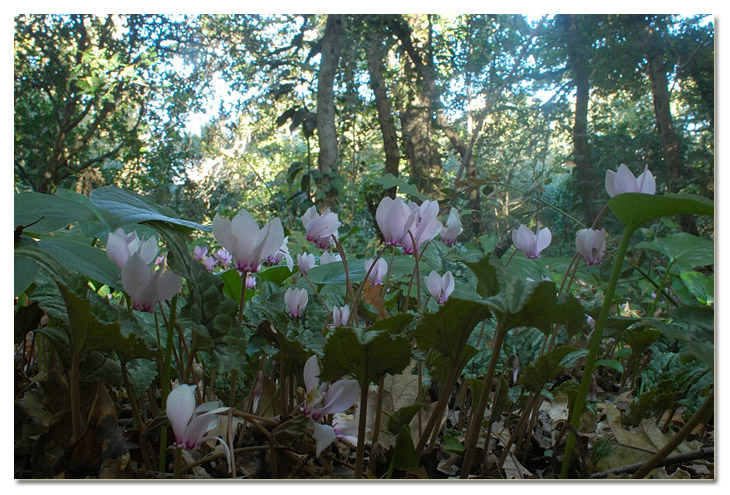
367	355
122	207
448	329
633	209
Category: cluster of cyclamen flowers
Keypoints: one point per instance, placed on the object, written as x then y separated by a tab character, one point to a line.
403	224
143	275
247	247
590	243
412	226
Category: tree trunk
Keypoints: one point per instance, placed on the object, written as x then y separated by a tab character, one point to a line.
585	171
416	118
327	159
660	93
423	156
375	54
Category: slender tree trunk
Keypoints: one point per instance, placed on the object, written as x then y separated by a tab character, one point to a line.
375	54
418	136
660	92
327	159
585	171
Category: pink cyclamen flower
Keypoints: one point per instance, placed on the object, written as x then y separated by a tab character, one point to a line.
326	399
394	218
200	252
440	287
210	263
531	243
452	229
296	300
249	246
340	315
328	258
591	244
120	246
623	181
305	261
250	282
378	272
190	424
223	257
282	253
320	228
425	226
147	286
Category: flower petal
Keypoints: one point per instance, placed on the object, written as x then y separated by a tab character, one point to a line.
433	284
201	425
610	181
543	239
311	373
448	285
179	409
524	240
117	249
323	435
645	183
625	181
223	233
167	285
136	277
340	397
148	250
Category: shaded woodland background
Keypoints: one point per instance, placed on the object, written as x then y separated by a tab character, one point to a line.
507	118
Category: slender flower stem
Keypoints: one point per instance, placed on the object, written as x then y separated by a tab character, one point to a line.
661	288
568	276
165	385
244	277
387	276
378	417
438	412
232	401
361	431
595	345
475	425
350	296
135	409
360	289
510	257
177	466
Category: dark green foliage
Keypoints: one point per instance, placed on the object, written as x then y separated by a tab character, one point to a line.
366	355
